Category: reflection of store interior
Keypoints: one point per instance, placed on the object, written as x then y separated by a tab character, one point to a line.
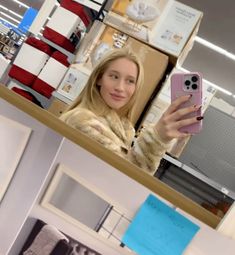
44	66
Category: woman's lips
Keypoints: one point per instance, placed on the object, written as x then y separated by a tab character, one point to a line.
117	97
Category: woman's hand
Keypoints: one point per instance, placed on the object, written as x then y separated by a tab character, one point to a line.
172	120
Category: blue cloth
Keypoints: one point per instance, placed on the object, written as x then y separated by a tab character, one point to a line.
158	229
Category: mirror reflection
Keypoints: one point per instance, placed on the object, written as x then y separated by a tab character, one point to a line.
105	108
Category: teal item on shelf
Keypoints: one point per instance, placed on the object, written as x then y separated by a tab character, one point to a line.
157	229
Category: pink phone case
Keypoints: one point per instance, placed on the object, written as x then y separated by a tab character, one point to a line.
186	84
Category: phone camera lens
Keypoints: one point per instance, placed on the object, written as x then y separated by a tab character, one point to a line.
194	79
194	86
187	82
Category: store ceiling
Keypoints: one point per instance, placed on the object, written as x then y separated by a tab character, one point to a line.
14	6
217	27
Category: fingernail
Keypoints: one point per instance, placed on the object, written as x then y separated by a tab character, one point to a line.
200	118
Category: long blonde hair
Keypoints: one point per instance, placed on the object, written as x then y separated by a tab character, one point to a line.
90	97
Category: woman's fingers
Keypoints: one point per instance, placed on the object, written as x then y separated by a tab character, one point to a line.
175	104
179	114
176	117
186	122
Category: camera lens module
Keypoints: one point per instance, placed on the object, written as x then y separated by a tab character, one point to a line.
187	82
194	79
194	86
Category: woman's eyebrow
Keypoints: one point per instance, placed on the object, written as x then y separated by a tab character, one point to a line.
115	71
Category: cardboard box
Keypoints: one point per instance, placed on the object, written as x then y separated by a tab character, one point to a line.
57	107
155	63
170	31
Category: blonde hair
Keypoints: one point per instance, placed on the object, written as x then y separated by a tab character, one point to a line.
90	97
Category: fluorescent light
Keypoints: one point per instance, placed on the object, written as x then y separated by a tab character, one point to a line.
218	88
8	22
3	7
215	47
208	82
22	4
16	14
9	17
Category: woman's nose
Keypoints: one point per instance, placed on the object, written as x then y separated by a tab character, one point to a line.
120	85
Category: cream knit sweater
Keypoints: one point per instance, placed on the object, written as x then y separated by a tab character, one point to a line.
118	134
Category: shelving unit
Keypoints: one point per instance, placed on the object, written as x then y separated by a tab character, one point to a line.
53	143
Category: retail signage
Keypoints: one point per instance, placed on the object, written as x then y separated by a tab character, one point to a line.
27	20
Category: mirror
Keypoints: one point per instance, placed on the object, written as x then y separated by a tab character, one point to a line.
75	200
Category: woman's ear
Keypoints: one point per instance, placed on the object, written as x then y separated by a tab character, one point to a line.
98	83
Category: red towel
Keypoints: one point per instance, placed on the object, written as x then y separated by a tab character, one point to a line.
27	95
77	9
63	59
22	75
40	45
42	86
58	39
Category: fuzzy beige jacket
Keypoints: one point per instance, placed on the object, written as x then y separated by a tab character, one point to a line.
118	134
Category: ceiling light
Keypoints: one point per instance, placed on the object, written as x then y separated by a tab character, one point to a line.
16	14
9	17
208	82
3	7
22	4
214	47
8	22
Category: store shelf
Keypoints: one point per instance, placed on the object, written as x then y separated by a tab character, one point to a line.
201	177
95	5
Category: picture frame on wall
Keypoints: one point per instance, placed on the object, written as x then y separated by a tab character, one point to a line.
14	137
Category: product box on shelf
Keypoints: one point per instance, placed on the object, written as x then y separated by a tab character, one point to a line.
51	75
73	82
57	107
164	24
69	22
24	69
106	38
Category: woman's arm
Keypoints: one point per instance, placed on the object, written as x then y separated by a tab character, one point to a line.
154	140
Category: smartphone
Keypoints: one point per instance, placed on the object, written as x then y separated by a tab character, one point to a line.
188	84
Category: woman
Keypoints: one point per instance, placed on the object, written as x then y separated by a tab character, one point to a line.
104	110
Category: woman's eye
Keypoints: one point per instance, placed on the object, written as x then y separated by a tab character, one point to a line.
113	76
131	81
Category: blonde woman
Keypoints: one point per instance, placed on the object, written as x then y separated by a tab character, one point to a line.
104	110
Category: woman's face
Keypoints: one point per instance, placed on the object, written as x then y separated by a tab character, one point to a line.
118	83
